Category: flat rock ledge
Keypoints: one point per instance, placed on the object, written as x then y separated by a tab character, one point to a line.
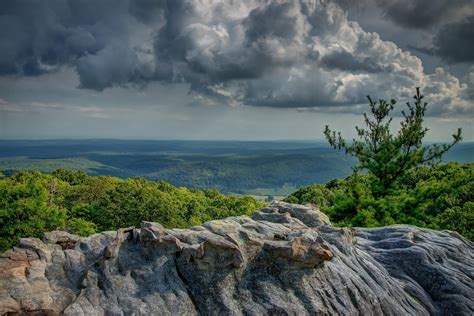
285	260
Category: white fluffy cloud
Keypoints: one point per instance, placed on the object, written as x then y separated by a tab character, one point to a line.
291	54
447	94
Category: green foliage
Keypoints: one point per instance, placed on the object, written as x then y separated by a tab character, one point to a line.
80	226
32	203
399	186
71	176
460	219
385	155
26	208
22	163
439	196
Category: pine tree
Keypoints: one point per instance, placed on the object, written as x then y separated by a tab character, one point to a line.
388	156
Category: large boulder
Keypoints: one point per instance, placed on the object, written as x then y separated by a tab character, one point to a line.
286	259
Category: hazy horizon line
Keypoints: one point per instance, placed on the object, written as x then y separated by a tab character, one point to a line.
305	140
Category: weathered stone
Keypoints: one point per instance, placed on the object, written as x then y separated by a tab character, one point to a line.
64	239
309	214
286	259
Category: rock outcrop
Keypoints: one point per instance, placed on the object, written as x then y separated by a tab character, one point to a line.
285	260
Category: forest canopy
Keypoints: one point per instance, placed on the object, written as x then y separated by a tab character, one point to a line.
32	203
439	197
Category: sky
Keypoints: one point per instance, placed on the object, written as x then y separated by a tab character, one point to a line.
238	70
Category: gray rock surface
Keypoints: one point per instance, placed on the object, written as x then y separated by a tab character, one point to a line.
285	260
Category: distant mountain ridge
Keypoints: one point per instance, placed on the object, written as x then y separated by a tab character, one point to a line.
230	166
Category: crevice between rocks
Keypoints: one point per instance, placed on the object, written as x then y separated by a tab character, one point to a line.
186	284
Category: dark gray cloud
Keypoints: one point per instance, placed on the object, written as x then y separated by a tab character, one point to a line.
415	14
452	43
148	11
113	64
455	42
37	36
291	54
425	13
343	60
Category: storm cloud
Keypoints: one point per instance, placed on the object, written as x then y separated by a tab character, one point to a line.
455	42
38	36
426	13
343	60
415	14
295	54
